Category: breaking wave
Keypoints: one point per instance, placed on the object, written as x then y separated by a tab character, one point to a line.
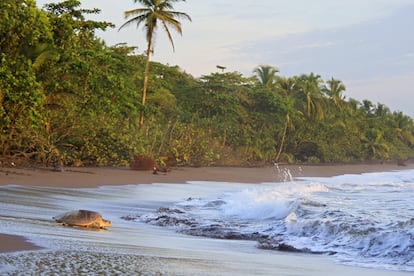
353	218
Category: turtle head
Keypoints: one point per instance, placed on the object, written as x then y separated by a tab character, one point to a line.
106	222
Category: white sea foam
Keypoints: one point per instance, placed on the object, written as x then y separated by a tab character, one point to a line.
257	205
277	201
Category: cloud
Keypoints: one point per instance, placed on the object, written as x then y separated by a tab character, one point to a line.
322	44
396	92
363	50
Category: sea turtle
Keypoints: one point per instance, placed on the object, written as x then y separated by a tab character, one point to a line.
83	218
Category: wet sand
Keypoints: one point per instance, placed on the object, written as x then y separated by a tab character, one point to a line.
12	243
94	177
90	177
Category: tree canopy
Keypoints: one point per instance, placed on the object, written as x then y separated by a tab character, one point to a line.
67	98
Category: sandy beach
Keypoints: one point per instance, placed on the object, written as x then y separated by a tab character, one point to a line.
95	177
89	177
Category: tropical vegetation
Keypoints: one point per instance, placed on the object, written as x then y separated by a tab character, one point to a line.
154	13
67	98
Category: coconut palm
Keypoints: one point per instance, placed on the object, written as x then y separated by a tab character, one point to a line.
288	125
154	13
403	126
309	94
266	75
286	85
374	144
334	90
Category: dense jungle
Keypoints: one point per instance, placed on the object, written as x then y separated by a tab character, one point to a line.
68	98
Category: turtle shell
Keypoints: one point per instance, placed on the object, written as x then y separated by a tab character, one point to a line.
83	218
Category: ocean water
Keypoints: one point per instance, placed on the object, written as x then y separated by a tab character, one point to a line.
219	228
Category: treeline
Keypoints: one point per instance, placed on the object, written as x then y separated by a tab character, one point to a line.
68	98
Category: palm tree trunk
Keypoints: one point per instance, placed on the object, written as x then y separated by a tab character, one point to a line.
282	143
144	89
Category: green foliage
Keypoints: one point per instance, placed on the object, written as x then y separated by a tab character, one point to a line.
20	111
153	14
65	97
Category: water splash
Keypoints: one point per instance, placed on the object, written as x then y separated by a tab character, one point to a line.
284	174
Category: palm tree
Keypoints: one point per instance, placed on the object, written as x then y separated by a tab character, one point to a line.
266	75
309	94
404	129
153	13
286	85
288	125
374	144
334	91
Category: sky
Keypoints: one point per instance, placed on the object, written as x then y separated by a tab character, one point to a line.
367	44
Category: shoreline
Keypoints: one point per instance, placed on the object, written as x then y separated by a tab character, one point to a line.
13	243
90	177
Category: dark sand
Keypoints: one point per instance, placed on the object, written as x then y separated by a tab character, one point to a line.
93	177
12	243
